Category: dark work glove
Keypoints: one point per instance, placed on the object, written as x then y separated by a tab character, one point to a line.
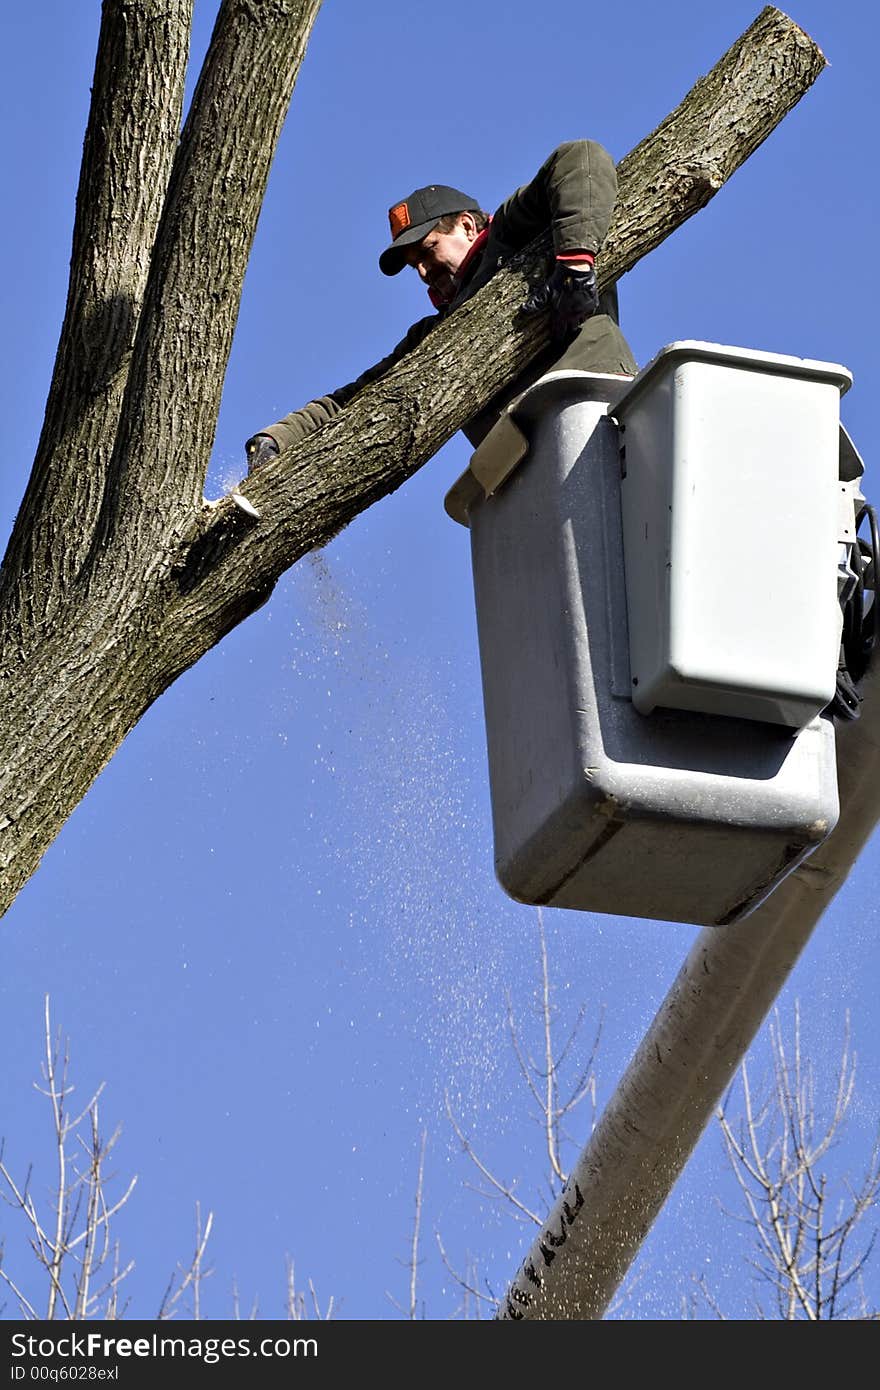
259	449
572	296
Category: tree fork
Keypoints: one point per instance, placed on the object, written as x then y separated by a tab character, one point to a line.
172	574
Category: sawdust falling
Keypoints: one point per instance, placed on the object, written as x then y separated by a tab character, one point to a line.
417	853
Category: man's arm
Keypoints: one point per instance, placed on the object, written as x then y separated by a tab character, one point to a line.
311	417
573	193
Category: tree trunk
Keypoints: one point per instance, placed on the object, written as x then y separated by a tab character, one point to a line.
118	575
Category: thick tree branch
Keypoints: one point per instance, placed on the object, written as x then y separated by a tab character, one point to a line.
394	426
132	133
721	122
199	262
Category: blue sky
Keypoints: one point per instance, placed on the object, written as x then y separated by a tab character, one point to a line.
272	927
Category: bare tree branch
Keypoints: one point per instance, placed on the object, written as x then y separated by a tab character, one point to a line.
468	1283
78	1245
802	1251
297	1310
412	1263
26	1307
190	1277
551	1094
501	1189
417	1221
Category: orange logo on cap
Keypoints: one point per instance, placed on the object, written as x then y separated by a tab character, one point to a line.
399	218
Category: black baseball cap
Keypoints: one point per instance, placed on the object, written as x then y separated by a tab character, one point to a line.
413	218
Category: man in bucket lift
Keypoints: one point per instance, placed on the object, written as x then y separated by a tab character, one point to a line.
456	247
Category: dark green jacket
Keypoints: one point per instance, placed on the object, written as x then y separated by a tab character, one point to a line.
572	194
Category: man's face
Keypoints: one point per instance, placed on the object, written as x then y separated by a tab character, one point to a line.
438	255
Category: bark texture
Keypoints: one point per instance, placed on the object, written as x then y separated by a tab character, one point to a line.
119	576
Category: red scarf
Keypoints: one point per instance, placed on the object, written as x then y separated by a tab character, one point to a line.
476	245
